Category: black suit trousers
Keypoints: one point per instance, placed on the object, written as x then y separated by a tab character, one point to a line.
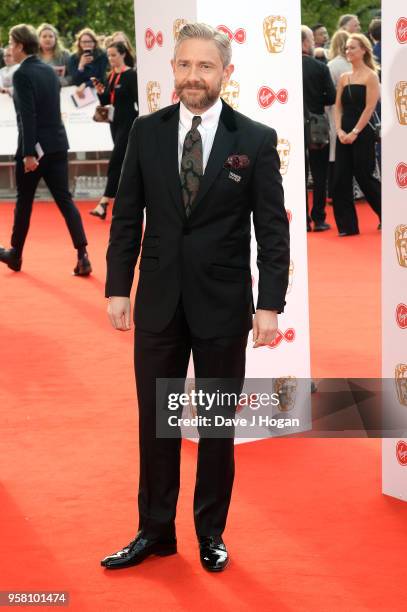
318	160
53	168
166	355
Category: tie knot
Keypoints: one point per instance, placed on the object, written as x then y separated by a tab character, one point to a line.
196	120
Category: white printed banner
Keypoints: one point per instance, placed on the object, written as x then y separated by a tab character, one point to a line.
267	86
84	134
394	238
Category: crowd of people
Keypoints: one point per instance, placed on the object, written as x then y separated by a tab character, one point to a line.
341	92
103	63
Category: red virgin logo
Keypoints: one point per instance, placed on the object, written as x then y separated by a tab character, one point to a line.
401	30
401	452
151	39
401	175
266	96
288	336
401	316
238	35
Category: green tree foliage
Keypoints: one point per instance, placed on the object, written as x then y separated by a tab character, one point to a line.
329	11
69	16
106	16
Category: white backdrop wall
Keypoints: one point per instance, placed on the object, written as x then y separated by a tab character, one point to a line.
83	133
267	86
394	237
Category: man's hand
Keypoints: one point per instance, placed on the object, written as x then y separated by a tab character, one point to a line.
265	325
30	163
119	313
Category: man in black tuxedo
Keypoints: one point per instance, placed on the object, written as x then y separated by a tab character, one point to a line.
318	91
199	169
42	150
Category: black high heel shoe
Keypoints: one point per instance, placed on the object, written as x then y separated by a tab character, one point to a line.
96	213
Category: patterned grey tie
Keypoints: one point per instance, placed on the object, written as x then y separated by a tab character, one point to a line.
191	165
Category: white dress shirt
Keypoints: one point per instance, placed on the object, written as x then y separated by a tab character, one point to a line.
207	128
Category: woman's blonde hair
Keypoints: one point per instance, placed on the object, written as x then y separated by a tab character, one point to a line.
77	48
368	57
58	48
338	44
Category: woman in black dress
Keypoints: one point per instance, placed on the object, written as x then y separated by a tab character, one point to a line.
357	95
120	91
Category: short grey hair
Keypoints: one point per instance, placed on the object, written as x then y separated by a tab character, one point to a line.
306	32
344	19
207	32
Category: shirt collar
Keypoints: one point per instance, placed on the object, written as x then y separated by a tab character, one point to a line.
210	118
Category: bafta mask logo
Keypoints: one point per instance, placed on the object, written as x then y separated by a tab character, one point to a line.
153	96
401	30
238	35
401	175
400	237
286	389
283	150
230	93
266	96
288	336
400	98
151	39
401	452
400	378
274	31
401	316
177	27
290	276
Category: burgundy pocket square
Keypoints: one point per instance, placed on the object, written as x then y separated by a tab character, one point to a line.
236	162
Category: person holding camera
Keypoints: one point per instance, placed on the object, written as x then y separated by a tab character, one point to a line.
88	61
119	98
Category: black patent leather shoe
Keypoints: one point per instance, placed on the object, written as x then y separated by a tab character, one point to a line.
9	257
83	267
213	553
139	549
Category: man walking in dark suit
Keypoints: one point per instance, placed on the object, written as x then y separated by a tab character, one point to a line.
42	150
319	91
199	169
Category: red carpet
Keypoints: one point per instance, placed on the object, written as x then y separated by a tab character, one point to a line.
308	528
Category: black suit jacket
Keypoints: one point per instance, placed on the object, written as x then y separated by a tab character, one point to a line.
205	258
318	87
37	104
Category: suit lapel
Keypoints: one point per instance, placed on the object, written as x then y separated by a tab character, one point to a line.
168	144
225	138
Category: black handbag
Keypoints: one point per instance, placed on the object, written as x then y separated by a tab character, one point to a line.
317	130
